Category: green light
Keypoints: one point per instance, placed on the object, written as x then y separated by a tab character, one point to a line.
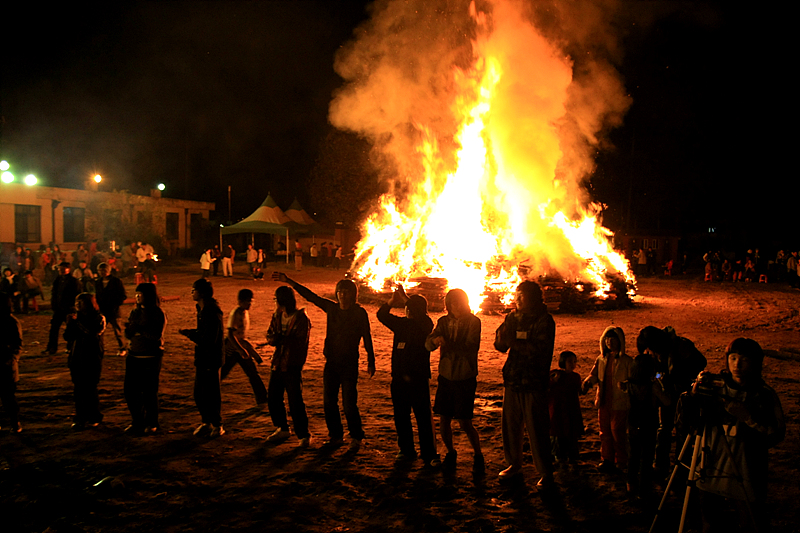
30	179
4	165
7	177
161	186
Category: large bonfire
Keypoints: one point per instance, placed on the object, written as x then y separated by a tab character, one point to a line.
492	137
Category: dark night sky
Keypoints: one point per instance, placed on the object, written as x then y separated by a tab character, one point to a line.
236	93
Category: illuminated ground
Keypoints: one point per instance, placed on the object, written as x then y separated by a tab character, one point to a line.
174	482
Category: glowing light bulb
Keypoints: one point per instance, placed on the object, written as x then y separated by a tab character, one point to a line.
98	178
30	179
7	177
161	186
4	165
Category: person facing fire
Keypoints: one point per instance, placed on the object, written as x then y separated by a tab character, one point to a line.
289	333
411	374
528	335
347	324
208	339
458	335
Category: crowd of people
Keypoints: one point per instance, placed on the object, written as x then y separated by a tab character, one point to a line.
647	402
325	255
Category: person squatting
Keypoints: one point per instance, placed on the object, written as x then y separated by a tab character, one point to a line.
649	405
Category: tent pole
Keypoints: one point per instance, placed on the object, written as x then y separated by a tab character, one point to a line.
287	246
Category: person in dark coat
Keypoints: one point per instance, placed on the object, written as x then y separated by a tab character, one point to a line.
10	345
288	332
208	340
411	374
110	296
145	332
62	300
528	336
85	333
347	324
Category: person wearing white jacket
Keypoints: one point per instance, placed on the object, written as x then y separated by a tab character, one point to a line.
610	373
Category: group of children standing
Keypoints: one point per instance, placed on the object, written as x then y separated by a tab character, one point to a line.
636	398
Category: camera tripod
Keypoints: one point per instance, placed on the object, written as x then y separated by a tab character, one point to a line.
698	462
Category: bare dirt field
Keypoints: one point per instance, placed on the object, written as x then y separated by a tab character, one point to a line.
176	482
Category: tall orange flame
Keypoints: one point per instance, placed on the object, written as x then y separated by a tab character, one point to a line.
508	200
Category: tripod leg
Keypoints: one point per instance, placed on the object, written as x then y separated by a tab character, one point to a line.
671	479
738	476
691	479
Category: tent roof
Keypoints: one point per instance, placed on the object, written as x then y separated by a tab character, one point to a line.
267	218
298	214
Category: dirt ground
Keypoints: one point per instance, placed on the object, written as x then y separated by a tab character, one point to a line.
173	481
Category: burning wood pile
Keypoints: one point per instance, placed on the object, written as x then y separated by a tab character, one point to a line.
560	296
489	136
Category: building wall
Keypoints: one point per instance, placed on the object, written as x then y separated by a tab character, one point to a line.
101	211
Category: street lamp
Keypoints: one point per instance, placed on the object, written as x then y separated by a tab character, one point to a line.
4	165
30	179
161	186
7	177
98	178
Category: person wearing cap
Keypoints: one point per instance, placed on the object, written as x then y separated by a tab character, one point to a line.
411	374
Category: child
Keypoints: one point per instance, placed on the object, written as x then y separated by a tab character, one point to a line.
288	332
238	349
647	394
411	374
566	419
85	331
610	373
458	334
750	418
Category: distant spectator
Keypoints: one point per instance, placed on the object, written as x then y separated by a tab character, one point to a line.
791	269
148	269
9	286
314	253
298	255
206	259
227	261
251	256
216	259
30	287
62	299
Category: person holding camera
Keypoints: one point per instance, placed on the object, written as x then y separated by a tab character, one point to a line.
738	408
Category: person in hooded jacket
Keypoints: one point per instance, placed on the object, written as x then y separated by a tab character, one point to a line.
84	332
610	373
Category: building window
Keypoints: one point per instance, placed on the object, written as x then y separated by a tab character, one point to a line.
173	222
28	223
74	224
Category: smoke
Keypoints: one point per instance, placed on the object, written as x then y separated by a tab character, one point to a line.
558	94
